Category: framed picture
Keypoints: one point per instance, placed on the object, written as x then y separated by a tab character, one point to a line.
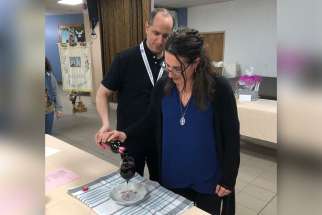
75	61
75	67
71	34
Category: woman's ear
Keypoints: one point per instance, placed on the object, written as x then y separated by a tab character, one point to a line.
197	60
196	63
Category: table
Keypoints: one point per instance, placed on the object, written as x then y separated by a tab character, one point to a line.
88	167
258	119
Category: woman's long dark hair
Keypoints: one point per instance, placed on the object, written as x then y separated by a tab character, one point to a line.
187	43
47	65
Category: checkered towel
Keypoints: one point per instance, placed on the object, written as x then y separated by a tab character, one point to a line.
160	201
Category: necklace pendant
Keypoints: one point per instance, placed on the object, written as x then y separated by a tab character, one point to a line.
182	121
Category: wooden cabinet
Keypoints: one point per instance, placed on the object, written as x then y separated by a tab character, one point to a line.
214	44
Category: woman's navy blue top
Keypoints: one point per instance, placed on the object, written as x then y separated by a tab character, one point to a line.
189	153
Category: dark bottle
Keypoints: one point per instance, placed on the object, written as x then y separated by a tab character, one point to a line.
127	169
115	145
125	155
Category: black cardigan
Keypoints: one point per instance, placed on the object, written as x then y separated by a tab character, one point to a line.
226	128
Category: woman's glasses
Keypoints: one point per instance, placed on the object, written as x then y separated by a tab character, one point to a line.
176	70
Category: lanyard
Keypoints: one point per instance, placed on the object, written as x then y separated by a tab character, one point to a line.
147	66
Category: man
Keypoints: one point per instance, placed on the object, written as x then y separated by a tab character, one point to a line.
133	74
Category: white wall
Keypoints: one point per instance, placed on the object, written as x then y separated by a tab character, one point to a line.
306	22
250	31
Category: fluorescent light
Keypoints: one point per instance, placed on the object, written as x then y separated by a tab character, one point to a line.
70	2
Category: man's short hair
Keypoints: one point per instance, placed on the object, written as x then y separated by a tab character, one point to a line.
164	12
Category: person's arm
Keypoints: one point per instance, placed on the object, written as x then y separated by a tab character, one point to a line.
110	83
230	136
144	125
57	100
102	107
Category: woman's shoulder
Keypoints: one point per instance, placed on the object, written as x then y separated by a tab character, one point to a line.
222	83
161	83
159	89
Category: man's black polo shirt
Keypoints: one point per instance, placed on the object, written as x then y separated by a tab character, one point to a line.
128	76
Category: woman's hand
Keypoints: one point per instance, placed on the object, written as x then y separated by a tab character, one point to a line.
116	135
221	191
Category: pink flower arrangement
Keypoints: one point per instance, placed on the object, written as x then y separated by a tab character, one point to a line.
250	81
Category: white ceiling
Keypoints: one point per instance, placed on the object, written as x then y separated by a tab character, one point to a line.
53	8
184	3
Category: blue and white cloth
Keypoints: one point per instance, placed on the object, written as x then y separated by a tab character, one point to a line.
160	201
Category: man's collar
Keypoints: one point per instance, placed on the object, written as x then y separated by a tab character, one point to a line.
149	52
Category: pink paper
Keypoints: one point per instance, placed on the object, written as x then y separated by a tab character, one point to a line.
59	177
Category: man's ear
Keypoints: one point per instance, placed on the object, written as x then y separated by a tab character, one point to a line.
146	27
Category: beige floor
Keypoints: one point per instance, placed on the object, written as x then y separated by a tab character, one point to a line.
256	183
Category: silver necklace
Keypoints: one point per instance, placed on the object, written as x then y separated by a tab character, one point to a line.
183	111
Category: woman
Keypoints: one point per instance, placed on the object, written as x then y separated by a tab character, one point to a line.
52	99
193	115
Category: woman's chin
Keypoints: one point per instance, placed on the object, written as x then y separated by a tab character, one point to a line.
176	81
